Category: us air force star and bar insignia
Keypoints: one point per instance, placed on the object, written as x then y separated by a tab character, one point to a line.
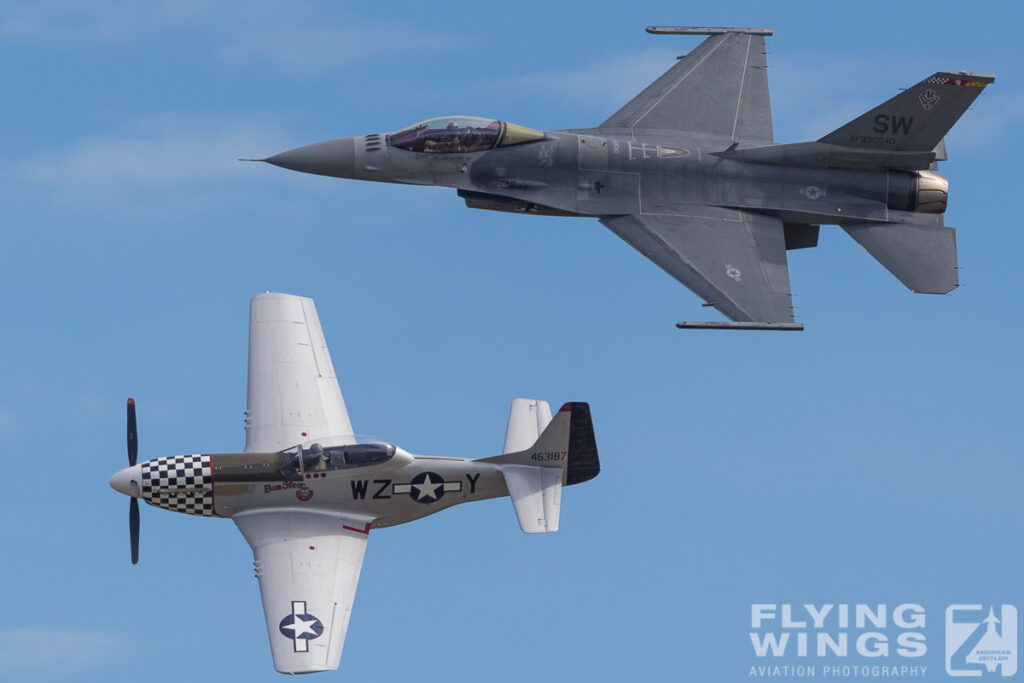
300	627
427	487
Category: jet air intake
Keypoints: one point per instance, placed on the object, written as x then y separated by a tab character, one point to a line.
920	191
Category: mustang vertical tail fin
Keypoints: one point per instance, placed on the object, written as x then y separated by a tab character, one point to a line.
564	454
916	119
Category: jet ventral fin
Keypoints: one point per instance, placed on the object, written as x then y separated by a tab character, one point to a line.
721	88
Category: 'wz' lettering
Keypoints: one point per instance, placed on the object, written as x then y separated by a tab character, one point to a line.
360	487
897	124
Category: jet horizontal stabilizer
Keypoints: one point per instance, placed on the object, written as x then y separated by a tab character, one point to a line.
723	325
706	30
921	253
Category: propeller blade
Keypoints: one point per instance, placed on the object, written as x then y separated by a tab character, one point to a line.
133	528
133	435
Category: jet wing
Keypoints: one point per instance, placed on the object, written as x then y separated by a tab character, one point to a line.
721	88
293	393
308	565
735	260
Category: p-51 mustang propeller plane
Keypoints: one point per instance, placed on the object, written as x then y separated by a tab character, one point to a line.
307	491
688	173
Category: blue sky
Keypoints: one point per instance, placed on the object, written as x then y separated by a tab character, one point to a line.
874	458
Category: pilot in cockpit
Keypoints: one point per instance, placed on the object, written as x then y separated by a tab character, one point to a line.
318	459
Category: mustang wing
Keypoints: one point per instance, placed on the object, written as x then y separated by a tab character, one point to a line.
293	393
308	564
721	88
735	260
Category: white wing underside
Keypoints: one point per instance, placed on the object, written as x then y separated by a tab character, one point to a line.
307	561
293	393
308	565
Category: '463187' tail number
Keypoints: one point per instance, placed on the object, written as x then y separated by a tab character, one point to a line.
549	456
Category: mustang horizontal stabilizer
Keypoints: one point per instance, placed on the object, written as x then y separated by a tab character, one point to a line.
920	253
735	260
308	565
721	88
536	493
918	118
526	420
564	454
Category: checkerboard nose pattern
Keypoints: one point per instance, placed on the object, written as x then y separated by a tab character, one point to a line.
181	483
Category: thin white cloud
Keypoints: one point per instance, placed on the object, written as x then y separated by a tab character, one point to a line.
303	49
72	22
29	651
609	82
990	123
165	161
300	40
8	422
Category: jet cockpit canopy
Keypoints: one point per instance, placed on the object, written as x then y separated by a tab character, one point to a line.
461	135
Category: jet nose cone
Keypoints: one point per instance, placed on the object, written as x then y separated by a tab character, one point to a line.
334	158
128	481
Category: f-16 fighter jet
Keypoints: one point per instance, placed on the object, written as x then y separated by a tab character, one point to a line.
687	172
307	491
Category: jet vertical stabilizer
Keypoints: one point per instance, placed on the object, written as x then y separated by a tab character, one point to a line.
918	118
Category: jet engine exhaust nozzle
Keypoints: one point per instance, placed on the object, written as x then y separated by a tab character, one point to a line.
932	193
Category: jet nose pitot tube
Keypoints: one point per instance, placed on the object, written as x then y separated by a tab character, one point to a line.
128	481
332	158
